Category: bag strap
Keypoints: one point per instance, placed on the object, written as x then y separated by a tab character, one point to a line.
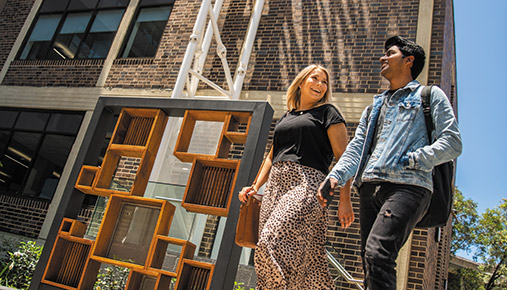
425	97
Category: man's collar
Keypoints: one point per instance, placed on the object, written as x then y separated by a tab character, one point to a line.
413	85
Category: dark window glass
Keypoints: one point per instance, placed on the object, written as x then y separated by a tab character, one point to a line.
16	160
81	29
4	139
7	119
64	123
82	5
39	42
34	151
32	121
113	3
155	2
101	34
147	32
53	5
48	166
71	35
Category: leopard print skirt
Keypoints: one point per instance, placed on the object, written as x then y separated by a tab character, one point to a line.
290	253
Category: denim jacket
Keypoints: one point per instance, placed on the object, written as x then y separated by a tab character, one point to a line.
403	153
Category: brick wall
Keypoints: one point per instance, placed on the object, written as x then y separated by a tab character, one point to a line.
12	18
162	70
45	73
345	36
25	217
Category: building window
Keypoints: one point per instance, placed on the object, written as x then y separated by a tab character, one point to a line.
147	28
70	29
34	146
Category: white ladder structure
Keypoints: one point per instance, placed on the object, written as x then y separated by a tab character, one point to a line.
191	71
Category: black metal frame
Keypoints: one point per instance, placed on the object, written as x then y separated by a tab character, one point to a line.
229	253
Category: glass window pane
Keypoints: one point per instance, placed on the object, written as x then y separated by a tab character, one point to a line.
16	160
7	119
82	5
53	5
113	3
71	35
76	23
101	34
64	123
40	39
133	232
107	21
48	166
147	32
32	121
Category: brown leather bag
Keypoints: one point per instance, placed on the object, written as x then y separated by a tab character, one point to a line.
247	230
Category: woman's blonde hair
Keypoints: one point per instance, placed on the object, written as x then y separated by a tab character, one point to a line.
294	92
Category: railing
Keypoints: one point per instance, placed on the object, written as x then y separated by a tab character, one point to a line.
343	272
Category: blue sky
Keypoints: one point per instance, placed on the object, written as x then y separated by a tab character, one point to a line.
481	45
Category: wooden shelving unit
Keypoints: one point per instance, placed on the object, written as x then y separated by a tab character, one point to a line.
137	134
129	229
210	185
228	136
194	275
69	256
157	256
134	229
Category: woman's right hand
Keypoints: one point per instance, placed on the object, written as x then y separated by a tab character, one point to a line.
245	192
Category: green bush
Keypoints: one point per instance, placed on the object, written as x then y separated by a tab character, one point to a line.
112	278
18	270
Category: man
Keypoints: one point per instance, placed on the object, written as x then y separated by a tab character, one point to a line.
392	159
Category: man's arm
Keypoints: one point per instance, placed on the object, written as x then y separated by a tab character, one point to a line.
447	145
347	166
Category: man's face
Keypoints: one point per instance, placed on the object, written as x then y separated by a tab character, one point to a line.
392	63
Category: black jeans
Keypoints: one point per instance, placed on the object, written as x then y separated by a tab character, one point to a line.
388	213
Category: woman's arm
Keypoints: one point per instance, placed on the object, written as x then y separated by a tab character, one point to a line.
337	134
262	177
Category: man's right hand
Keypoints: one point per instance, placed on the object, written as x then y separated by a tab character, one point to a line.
333	184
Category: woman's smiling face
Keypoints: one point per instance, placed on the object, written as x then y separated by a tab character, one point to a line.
314	87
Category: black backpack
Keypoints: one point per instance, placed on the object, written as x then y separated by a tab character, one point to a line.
443	183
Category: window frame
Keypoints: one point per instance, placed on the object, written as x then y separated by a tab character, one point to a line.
132	24
43	133
64	14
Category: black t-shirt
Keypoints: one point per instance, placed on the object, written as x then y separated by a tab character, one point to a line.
301	137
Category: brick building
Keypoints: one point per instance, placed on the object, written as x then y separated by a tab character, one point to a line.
58	56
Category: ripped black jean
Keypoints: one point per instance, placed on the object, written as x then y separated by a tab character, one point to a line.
388	213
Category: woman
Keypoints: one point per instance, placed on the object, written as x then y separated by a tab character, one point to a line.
290	253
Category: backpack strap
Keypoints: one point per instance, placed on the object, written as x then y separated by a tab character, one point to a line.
426	102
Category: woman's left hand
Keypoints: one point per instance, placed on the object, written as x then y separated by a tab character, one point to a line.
345	214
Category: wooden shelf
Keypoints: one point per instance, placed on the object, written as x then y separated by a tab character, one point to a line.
232	124
86	179
158	255
137	134
135	126
194	275
164	281
228	136
210	185
68	259
129	228
72	228
142	280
